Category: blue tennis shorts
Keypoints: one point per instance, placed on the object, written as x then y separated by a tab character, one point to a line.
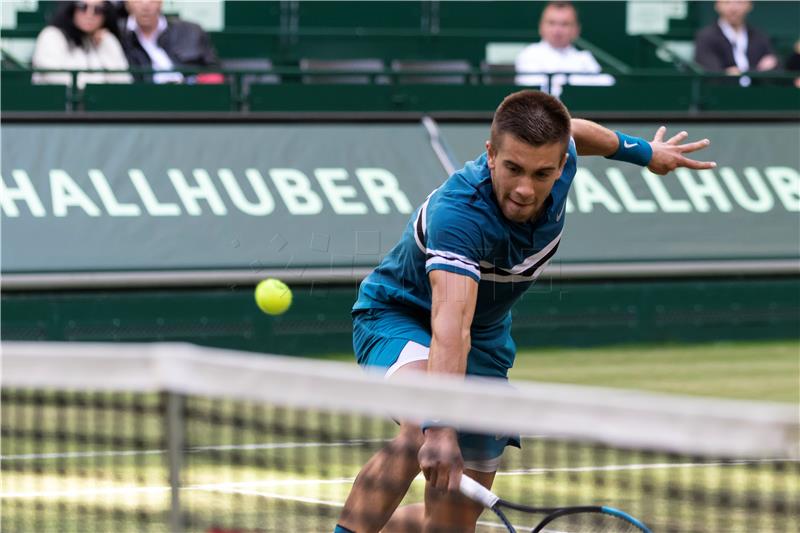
387	339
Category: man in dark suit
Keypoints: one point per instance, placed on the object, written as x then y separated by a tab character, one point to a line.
731	45
152	40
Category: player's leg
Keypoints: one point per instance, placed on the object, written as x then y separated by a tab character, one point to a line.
450	511
406	519
384	480
396	343
447	511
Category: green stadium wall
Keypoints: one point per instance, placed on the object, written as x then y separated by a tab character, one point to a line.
553	313
746	211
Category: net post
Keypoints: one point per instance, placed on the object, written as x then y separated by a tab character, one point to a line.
175	443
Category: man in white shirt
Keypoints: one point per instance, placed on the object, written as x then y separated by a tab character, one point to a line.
148	34
152	40
555	53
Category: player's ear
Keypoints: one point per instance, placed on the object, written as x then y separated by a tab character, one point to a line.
563	162
490	154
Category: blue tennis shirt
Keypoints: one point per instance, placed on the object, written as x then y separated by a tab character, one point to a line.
460	228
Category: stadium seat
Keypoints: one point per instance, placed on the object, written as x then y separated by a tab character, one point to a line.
497	74
345	71
451	72
152	97
261	72
345	98
319	97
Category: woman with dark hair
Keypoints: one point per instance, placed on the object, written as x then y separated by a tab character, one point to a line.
82	35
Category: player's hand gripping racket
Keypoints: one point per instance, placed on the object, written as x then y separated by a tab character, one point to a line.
579	519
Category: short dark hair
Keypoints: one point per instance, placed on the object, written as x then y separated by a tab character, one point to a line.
533	117
62	18
561	5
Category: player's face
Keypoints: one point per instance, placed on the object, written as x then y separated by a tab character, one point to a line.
559	26
523	175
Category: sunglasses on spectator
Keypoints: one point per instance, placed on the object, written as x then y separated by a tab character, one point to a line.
96	9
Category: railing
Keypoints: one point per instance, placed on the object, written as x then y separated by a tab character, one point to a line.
696	86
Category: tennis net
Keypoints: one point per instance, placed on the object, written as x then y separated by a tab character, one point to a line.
172	437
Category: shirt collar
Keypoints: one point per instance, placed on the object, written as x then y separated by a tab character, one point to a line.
131	25
730	33
566	50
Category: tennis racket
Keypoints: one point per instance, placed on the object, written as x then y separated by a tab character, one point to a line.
578	519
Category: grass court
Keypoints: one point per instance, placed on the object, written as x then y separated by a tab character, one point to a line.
293	475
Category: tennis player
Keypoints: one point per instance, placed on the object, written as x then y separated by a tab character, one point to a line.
440	300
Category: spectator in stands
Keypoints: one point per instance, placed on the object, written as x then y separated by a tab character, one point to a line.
555	53
152	40
731	45
81	36
119	8
793	63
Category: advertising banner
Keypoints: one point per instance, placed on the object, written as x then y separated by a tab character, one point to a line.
146	196
140	197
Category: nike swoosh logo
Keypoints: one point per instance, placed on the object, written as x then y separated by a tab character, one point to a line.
631	145
558	217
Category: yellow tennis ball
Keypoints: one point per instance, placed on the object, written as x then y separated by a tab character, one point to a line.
273	296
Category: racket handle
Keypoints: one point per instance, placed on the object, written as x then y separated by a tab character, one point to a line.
477	492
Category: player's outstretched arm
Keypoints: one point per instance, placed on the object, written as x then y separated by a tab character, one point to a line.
658	155
453	298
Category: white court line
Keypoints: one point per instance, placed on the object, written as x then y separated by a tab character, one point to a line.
276	496
193	449
338	504
501	526
196	449
283	445
352	442
645	466
291	482
73	455
270	483
210	487
98	491
221	487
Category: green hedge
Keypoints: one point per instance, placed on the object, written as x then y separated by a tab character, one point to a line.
636	94
550	314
